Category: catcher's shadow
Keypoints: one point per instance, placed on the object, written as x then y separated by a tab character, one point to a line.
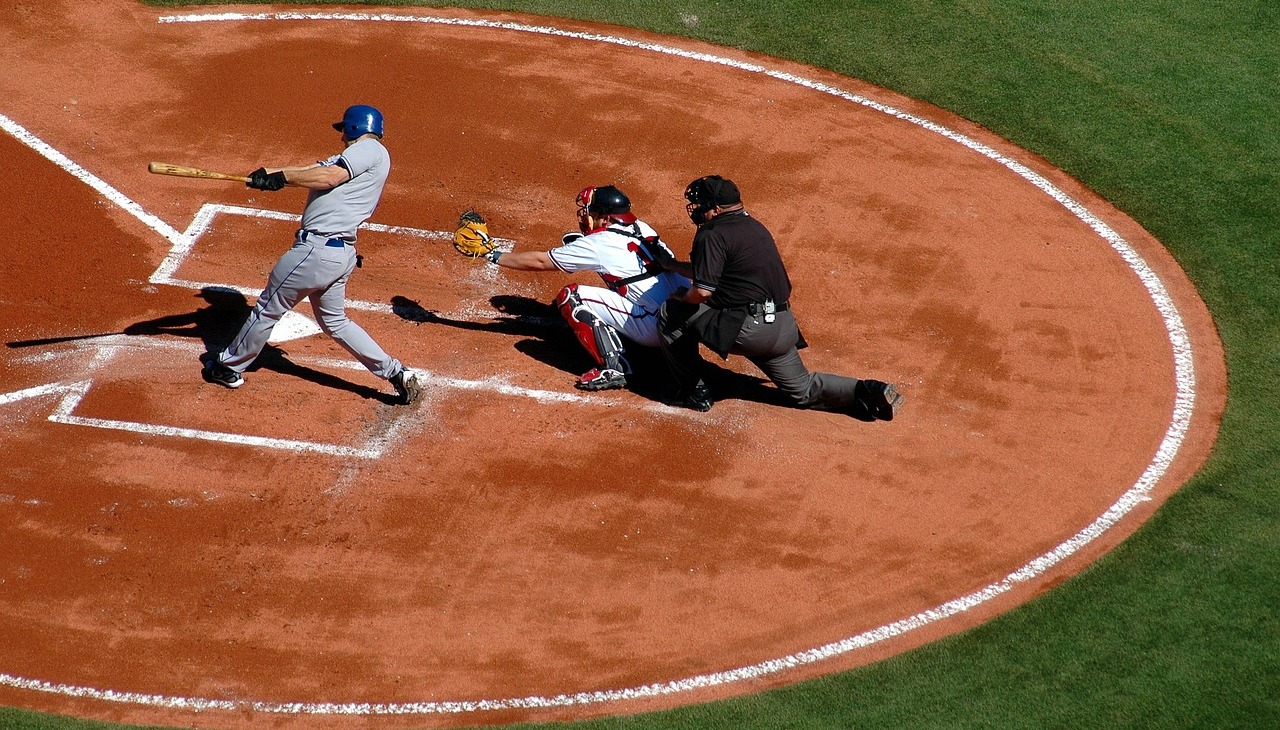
551	342
548	339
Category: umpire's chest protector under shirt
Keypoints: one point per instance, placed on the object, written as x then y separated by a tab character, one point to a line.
735	257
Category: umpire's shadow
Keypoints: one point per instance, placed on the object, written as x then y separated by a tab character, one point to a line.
217	324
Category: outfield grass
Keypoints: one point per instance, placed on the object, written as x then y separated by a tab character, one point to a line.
1171	110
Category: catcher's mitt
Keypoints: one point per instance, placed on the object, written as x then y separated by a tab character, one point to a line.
472	236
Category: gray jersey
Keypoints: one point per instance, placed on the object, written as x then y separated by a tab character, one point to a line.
337	212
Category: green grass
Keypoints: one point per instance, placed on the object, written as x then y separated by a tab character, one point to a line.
1171	110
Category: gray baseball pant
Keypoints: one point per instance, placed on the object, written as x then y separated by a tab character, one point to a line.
312	270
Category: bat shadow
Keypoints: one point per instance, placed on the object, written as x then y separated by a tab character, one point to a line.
217	324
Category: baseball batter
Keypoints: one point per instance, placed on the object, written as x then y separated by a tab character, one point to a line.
344	191
624	251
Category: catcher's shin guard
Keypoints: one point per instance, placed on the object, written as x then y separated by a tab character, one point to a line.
598	338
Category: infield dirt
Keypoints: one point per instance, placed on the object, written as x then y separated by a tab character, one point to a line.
513	538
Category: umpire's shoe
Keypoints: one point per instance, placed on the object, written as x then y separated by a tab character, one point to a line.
881	400
601	379
697	398
408	388
219	374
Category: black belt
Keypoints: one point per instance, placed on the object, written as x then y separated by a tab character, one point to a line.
755	308
334	242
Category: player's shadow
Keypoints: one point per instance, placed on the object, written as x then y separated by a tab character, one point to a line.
547	338
213	325
551	342
217	324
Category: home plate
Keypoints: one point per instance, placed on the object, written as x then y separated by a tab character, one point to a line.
293	326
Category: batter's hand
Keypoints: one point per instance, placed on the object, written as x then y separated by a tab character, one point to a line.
260	179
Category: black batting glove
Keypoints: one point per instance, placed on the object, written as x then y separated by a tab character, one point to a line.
260	179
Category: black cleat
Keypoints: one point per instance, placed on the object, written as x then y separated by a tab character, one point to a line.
697	398
601	379
219	374
882	400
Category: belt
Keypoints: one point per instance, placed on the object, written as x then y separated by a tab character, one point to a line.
313	237
755	308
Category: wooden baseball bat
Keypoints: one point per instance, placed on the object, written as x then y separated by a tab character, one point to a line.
164	168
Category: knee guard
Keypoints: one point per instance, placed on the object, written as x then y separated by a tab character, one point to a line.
600	340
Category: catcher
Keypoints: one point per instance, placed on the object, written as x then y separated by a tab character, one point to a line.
624	250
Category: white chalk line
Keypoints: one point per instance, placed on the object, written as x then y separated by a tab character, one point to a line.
1139	492
182	243
115	196
166	272
106	348
111	343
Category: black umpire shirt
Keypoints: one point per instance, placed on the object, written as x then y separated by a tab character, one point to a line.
735	258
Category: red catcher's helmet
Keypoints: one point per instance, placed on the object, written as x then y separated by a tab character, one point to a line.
603	203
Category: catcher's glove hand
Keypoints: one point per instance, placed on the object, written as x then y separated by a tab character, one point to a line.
472	236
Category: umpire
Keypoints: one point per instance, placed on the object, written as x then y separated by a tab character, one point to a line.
738	304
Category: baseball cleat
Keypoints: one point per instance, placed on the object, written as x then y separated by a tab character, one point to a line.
601	379
408	387
219	374
698	398
883	399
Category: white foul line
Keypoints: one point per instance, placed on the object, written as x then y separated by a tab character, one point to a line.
1139	492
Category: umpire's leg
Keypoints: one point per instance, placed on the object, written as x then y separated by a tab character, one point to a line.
678	345
771	346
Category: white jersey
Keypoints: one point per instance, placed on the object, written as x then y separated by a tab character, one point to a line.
338	212
617	253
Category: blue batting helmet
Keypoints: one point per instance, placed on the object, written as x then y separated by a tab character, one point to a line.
360	119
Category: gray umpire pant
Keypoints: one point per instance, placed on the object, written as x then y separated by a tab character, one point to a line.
770	346
313	270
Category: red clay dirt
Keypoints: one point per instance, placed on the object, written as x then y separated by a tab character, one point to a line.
531	543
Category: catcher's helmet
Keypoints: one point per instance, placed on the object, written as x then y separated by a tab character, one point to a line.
603	200
597	206
359	120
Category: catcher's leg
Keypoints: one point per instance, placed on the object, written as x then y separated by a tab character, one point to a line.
599	339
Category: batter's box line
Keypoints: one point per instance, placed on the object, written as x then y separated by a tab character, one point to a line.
77	391
107	348
74	392
109	344
166	272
